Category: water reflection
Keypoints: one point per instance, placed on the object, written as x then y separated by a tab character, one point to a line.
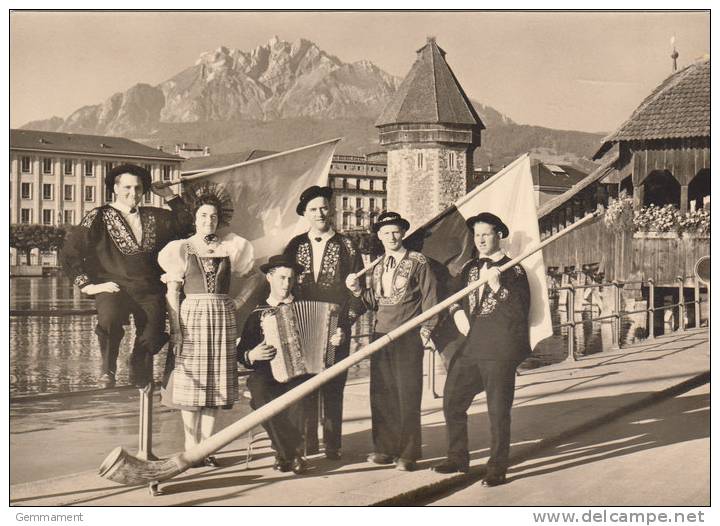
50	354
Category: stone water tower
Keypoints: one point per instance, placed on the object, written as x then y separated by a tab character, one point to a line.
430	130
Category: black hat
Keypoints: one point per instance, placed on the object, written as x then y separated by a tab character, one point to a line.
390	218
132	169
281	260
491	219
311	193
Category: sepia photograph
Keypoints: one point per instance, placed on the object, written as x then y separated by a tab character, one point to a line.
351	258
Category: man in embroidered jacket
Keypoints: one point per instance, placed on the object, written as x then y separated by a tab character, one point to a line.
326	258
402	286
495	320
112	256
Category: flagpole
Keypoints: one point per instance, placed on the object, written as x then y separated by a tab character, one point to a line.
123	468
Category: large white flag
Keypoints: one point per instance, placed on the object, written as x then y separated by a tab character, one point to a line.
509	195
264	193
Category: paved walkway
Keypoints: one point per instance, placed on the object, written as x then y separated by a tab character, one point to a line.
552	404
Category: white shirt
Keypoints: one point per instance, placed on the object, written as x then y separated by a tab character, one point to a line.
133	220
389	273
318	249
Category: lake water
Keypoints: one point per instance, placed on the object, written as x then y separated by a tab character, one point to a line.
52	354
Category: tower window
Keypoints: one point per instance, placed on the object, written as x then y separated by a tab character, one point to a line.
420	161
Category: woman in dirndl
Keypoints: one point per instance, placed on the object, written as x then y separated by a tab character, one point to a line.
203	326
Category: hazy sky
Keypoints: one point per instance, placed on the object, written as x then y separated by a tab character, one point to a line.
582	71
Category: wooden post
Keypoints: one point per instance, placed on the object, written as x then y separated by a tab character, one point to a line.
697	303
145	432
651	308
570	306
681	303
616	310
684	199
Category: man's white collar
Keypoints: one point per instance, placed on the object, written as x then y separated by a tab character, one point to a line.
274	303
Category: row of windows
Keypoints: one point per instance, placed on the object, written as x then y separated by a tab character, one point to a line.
359	168
359	203
453	161
88	167
48	216
355	184
48	193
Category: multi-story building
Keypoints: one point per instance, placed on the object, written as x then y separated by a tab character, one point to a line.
56	178
359	186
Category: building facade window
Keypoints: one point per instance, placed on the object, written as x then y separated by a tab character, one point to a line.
166	173
26	190
89	169
452	160
68	167
358	203
384	186
109	165
69	217
384	204
25	164
69	192
357	184
26	216
46	165
47	191
372	184
420	161
344	203
89	193
147	198
344	183
371	206
47	217
358	220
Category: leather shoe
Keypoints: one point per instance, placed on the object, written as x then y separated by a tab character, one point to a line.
282	465
450	466
299	465
333	454
403	464
106	381
380	458
493	480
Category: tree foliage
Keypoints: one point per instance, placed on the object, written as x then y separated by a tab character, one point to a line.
24	238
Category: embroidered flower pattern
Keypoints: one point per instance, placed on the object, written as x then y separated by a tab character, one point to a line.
328	276
304	258
122	236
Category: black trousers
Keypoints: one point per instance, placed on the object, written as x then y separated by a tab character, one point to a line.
466	378
283	429
396	395
331	395
113	310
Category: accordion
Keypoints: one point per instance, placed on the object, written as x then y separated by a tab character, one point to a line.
300	332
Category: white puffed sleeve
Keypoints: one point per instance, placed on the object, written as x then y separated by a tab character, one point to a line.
241	253
173	260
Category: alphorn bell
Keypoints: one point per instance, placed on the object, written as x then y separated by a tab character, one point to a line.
123	468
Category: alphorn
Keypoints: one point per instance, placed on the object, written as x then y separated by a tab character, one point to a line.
123	468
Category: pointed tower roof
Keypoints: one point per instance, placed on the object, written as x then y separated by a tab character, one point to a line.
430	94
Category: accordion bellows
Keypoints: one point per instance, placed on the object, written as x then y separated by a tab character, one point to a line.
301	332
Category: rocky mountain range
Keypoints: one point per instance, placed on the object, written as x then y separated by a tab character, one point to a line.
282	91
